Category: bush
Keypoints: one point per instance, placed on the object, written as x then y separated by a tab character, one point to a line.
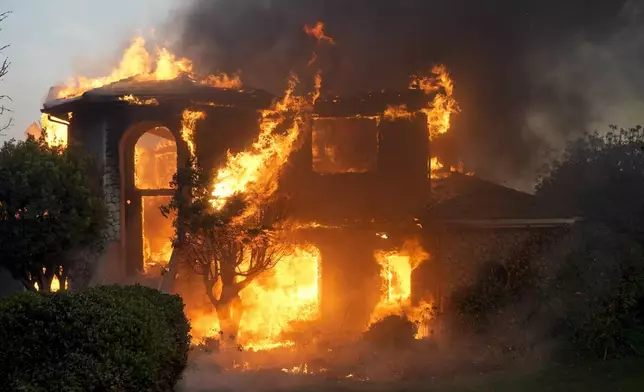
391	332
600	292
107	338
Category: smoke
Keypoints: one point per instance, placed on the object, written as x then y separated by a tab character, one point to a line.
529	74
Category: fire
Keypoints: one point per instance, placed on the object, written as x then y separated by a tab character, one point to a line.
188	124
132	100
255	172
138	63
317	32
438	170
318	87
442	107
397	112
396	271
56	130
286	294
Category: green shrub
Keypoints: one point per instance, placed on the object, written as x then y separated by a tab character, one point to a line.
391	332
107	338
600	291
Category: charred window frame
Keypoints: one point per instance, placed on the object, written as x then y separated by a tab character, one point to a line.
345	145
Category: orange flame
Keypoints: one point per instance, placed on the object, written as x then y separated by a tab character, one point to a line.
440	110
397	112
396	271
282	296
55	131
438	170
255	172
317	32
132	100
138	63
188	124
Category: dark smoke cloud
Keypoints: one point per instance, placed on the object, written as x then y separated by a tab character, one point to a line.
528	73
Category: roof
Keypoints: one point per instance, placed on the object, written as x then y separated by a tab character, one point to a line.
461	198
183	87
176	89
370	104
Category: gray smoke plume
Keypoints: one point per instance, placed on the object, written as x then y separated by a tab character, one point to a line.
529	74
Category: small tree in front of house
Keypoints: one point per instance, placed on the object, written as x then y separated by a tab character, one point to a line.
227	252
50	205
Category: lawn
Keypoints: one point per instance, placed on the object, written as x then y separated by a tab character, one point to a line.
612	376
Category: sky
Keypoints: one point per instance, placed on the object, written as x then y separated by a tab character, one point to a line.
54	40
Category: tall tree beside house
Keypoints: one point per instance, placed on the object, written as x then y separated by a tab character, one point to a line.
601	176
51	204
228	253
4	69
601	281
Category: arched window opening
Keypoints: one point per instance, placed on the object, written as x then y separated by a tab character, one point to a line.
155	159
155	164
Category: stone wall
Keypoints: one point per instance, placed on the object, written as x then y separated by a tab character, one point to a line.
459	254
112	182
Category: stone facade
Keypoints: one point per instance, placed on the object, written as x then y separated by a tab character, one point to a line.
459	254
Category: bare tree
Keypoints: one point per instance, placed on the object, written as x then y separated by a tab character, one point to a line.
227	252
4	69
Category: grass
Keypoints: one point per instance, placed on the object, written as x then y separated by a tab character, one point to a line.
610	376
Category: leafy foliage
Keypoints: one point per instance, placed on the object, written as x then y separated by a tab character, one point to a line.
50	203
602	177
593	294
228	246
598	294
499	285
601	286
107	338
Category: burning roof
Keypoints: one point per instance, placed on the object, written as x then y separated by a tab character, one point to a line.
156	92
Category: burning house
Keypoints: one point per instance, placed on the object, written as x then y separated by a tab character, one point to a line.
384	231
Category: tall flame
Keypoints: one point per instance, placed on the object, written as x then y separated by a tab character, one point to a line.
396	271
440	110
317	32
138	63
255	172
55	131
188	124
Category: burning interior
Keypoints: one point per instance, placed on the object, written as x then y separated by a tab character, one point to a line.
358	171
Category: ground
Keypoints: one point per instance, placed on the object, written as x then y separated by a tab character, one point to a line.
613	376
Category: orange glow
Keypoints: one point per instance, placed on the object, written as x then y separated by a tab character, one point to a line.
318	86
155	160
395	273
439	171
55	131
440	110
398	112
157	232
317	32
138	63
284	295
188	124
132	100
255	172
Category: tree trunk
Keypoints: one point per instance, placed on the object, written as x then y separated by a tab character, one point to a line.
166	284
229	311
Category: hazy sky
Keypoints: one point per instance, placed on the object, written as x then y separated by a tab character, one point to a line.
52	40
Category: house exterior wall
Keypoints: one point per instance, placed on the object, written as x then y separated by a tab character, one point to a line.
460	253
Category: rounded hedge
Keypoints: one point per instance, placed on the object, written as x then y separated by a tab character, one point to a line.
108	338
